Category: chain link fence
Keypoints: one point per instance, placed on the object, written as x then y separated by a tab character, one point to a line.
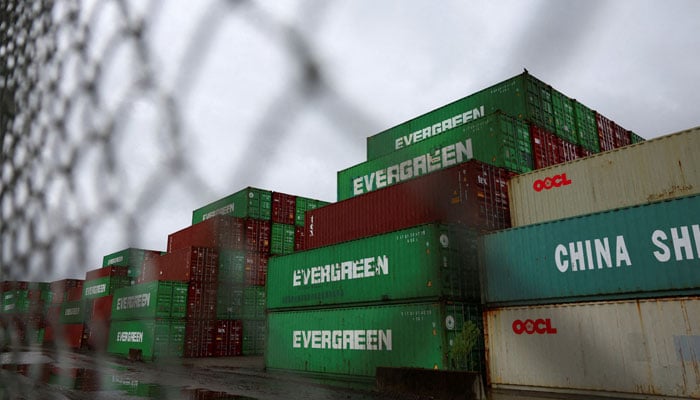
95	123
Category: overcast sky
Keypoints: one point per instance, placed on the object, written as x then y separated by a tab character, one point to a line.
245	122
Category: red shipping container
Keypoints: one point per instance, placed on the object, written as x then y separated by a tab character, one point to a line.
228	341
105	272
606	132
284	208
547	148
256	269
621	136
583	152
74	294
224	232
64	336
97	335
298	238
100	309
473	193
201	301
183	265
59	288
199	338
258	235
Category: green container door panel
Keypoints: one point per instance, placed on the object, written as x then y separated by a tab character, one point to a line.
641	251
247	203
564	117
179	300
497	139
303	205
357	340
424	262
586	128
281	239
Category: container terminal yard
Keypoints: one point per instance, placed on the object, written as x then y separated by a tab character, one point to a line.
512	244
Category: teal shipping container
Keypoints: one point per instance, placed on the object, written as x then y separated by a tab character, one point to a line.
497	140
430	261
246	203
650	250
523	96
150	300
281	238
354	341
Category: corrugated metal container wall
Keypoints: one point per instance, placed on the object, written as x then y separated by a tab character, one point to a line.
304	204
427	262
658	169
104	286
564	117
283	208
586	128
282	238
606	132
105	272
191	263
633	347
156	299
217	232
523	97
547	148
649	250
246	203
472	193
496	140
59	288
132	258
73	312
150	338
357	340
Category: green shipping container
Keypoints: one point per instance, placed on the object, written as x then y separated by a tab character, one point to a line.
281	238
72	312
427	262
247	203
586	128
564	117
131	257
151	300
229	301
152	338
104	286
497	140
303	205
254	337
643	251
523	97
636	138
356	340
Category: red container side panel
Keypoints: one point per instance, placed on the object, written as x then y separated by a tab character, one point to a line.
59	288
256	269
258	235
229	338
201	301
473	193
583	152
106	271
100	309
298	238
606	132
65	336
97	335
547	148
621	136
283	208
570	151
199	338
223	232
74	294
183	265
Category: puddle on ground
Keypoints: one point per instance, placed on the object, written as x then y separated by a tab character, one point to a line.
41	368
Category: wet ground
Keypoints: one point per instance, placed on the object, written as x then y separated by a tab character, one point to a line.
44	374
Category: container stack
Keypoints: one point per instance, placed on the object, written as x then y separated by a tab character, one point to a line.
596	288
64	318
132	258
23	313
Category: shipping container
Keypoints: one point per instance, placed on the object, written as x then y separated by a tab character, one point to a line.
254	337
496	140
658	169
99	309
472	193
201	300
150	300
111	271
283	208
426	262
304	204
228	338
586	129
64	336
59	288
73	312
640	251
606	132
246	203
622	348
96	335
220	232
356	340
200	338
564	117
229	301
146	339
523	96
183	265
621	136
104	286
282	238
634	138
242	267
132	258
547	148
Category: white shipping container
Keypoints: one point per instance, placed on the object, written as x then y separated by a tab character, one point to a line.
663	168
624	348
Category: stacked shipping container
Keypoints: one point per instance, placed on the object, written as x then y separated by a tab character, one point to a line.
597	287
23	312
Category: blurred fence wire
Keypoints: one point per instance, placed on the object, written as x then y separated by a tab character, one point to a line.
68	108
